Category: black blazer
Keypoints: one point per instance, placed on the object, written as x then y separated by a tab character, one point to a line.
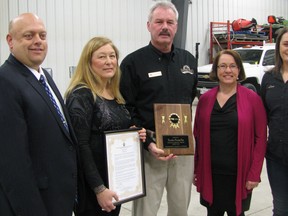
38	169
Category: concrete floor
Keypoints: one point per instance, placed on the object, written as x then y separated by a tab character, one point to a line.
261	204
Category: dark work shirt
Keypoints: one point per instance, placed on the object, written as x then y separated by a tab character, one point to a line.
274	93
149	76
224	126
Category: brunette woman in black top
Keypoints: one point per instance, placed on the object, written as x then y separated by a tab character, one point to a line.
274	90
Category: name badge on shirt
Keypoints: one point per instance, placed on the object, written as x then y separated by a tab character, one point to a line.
154	74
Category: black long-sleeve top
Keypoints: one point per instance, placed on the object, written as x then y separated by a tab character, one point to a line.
90	119
274	92
223	136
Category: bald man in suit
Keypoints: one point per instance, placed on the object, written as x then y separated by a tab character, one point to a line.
38	169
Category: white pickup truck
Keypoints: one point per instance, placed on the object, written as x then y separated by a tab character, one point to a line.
256	61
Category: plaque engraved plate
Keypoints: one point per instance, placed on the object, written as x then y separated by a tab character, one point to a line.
173	125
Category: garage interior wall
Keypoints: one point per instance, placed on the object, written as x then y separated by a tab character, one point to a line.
71	23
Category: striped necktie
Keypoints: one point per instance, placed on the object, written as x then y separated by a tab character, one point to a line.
42	81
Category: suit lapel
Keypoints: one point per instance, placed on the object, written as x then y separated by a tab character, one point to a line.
31	79
37	86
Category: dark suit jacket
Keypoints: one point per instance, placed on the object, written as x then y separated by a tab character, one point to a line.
38	169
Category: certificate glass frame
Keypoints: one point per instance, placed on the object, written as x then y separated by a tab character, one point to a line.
125	164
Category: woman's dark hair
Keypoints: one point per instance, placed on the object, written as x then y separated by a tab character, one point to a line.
278	59
213	74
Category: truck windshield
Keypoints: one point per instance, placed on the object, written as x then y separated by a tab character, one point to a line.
250	56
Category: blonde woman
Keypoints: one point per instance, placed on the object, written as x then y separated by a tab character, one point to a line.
95	105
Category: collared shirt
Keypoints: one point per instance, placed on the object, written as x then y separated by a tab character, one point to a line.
275	97
37	75
149	76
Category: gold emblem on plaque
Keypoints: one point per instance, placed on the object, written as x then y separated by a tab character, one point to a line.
185	119
174	120
163	119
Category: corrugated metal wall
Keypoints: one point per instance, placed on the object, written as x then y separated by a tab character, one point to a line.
71	23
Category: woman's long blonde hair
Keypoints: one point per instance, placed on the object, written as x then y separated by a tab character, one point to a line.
86	77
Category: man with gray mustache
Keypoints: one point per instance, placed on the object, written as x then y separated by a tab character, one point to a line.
160	73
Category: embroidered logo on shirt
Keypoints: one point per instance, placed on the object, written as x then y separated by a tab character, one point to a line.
270	86
186	69
154	74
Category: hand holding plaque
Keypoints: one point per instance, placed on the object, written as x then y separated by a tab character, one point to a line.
173	125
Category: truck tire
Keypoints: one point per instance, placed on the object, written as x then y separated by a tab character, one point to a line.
250	86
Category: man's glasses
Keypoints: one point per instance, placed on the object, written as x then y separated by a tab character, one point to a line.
223	67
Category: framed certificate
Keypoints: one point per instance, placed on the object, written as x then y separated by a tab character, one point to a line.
125	164
173	125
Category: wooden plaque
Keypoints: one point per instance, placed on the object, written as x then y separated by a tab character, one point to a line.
173	125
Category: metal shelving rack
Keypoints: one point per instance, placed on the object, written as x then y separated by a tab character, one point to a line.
223	37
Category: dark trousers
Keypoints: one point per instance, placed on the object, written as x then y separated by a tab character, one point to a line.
99	212
216	212
224	199
278	179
